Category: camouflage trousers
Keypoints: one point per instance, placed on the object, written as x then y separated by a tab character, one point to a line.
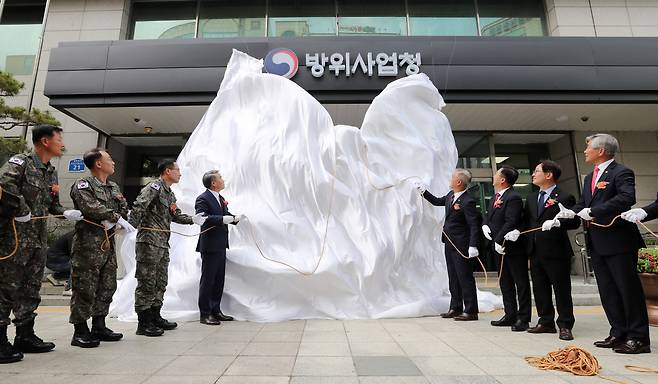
93	282
151	274
20	283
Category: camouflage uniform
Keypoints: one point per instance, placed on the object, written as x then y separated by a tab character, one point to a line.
155	207
35	183
94	270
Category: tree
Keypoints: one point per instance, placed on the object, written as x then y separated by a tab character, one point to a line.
11	117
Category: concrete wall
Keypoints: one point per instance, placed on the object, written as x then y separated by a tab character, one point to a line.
603	18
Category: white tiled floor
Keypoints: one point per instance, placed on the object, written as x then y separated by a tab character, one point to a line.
421	350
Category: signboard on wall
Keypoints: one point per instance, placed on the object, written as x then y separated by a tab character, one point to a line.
76	166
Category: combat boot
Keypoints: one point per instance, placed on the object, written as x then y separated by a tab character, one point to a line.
101	332
146	326
82	337
27	342
7	353
161	322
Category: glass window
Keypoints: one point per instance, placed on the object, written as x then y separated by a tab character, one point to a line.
295	18
164	20
370	17
473	150
512	18
442	18
20	30
232	18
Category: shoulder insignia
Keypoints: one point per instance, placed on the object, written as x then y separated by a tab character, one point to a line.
82	184
17	160
155	186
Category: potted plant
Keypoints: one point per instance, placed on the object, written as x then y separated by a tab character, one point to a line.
647	267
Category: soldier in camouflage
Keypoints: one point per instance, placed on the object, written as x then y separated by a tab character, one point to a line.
94	263
30	182
156	208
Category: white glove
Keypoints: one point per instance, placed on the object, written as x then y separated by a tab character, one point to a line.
634	215
125	225
228	219
107	224
420	187
24	219
499	248
565	213
487	231
73	215
549	224
512	235
473	252
584	214
199	218
239	217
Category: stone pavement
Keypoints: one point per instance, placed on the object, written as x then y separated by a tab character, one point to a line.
418	350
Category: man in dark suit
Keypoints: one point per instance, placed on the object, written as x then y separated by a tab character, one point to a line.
608	191
212	245
648	213
462	227
550	250
504	216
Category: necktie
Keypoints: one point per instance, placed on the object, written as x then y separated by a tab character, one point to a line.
595	174
540	203
496	198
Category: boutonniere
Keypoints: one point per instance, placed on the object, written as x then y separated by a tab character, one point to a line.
602	184
549	203
173	207
498	203
54	190
456	207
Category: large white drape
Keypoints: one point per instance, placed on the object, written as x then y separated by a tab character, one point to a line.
336	203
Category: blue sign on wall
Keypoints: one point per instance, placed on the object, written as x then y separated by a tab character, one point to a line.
76	166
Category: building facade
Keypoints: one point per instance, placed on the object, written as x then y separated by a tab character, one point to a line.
524	80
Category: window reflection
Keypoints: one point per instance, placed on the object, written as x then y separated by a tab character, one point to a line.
297	18
444	18
20	30
221	19
368	17
169	20
511	18
473	150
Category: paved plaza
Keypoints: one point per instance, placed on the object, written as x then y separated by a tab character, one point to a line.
418	350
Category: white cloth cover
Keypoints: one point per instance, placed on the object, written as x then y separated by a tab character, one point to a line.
296	176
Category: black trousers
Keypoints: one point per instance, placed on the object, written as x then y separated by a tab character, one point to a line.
211	286
622	295
463	294
514	281
555	274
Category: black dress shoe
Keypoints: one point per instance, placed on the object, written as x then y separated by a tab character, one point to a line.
520	326
466	317
450	314
222	317
633	347
540	328
610	342
565	334
503	322
209	320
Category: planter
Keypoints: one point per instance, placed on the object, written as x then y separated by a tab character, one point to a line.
650	287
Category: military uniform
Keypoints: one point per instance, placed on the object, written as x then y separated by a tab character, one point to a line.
155	207
94	263
35	184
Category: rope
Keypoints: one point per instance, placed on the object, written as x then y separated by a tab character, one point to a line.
579	362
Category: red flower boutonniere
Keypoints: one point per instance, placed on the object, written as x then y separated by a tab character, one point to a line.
602	184
173	207
498	203
54	190
549	203
456	207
